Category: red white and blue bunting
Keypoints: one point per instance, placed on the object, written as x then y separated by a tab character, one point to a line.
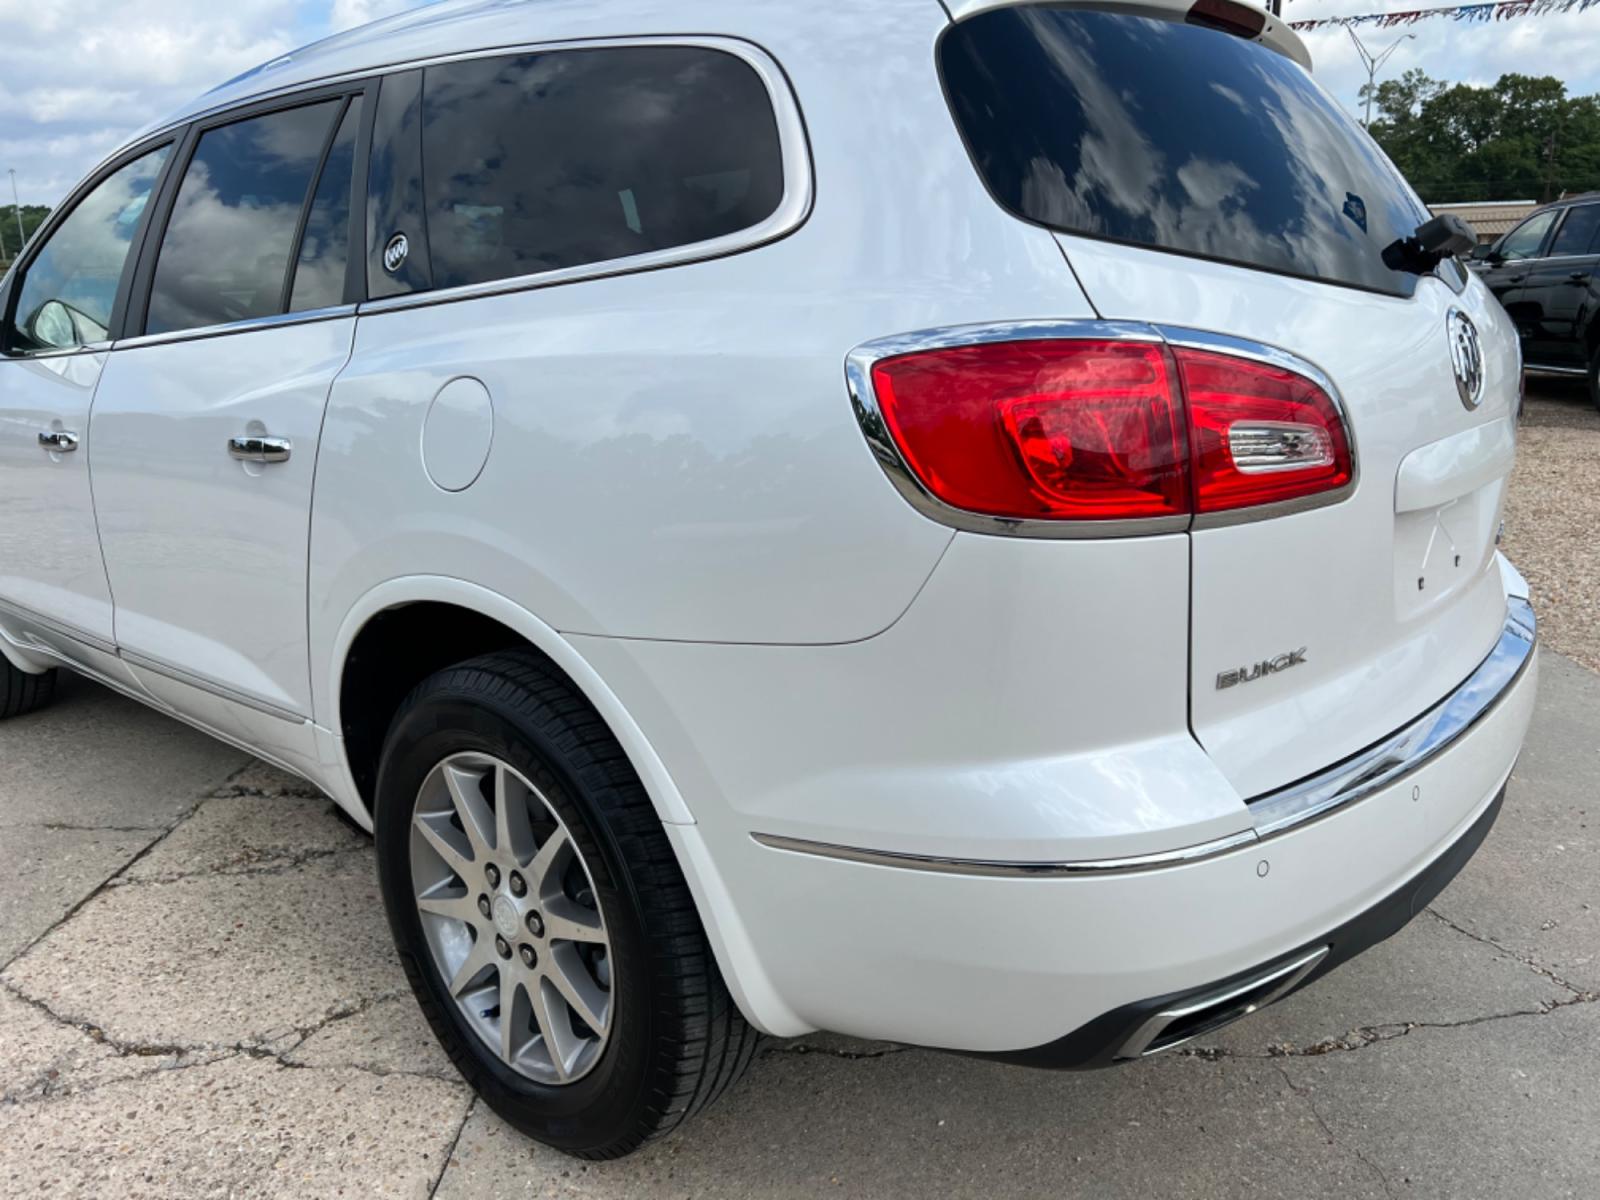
1502	10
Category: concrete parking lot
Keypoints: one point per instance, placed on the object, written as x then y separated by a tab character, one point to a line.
198	998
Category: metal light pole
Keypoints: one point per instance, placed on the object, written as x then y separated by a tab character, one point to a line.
1374	63
16	207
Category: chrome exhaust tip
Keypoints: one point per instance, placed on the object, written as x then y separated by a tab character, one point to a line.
1206	1012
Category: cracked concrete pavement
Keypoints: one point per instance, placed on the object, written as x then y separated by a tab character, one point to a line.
198	998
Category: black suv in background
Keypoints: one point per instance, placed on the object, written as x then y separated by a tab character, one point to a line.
1545	273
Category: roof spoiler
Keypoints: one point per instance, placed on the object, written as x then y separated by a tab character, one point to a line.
1230	16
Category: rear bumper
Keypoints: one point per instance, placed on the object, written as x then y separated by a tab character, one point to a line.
1164	1022
1044	962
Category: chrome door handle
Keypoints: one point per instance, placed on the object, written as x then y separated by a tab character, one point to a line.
58	441
260	449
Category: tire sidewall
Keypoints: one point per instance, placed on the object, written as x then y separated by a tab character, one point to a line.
441	721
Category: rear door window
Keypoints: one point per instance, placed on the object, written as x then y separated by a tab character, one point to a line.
1577	233
230	240
325	243
540	161
1145	130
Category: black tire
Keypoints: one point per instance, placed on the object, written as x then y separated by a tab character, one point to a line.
677	1040
1594	379
21	692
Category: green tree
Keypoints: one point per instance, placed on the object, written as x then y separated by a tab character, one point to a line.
33	216
1523	138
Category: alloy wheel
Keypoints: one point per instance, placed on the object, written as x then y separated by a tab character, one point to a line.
510	913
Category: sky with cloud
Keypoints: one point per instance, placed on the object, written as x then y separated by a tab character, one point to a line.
77	76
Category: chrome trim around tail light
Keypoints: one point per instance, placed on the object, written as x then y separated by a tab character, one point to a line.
864	400
1379	766
869	415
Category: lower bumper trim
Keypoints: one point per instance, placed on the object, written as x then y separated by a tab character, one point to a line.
1115	1036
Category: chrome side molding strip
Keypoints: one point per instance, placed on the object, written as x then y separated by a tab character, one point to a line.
1275	813
1009	870
156	666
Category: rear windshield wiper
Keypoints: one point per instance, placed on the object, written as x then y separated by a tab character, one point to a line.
1432	242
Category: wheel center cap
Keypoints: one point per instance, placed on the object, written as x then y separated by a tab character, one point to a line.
505	917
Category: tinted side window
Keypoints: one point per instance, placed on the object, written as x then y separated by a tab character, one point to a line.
71	286
1524	241
325	245
226	252
394	189
1577	232
549	160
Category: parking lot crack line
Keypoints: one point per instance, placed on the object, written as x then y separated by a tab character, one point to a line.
450	1150
1372	1035
157	836
1316	1114
271	866
1526	961
803	1050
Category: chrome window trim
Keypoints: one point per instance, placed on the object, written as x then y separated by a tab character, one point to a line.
249	324
1275	813
792	210
64	352
869	415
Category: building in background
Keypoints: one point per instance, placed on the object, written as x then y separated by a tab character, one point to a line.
1488	218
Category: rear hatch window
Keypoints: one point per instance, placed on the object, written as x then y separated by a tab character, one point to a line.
1149	131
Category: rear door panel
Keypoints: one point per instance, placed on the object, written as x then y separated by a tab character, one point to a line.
1393	609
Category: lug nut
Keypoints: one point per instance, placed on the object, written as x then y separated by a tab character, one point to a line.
483	905
518	887
529	958
535	924
492	873
503	946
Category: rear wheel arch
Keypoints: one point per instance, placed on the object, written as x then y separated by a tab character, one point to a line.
403	631
440	598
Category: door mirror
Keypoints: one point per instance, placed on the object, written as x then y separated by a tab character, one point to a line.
1481	252
50	328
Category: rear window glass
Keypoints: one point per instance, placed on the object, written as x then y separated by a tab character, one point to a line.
541	161
1577	232
1148	131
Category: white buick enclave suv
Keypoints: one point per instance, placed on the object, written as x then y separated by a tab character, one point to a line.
972	525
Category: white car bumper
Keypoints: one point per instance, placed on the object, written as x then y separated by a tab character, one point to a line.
1066	960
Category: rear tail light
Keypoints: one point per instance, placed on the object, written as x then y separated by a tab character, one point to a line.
1259	434
1096	430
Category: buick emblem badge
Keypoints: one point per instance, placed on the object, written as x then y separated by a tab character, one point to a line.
1466	356
394	254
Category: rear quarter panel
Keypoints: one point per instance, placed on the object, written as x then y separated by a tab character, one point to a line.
674	452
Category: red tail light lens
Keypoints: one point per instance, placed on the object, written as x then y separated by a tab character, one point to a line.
1089	430
1259	434
1053	430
